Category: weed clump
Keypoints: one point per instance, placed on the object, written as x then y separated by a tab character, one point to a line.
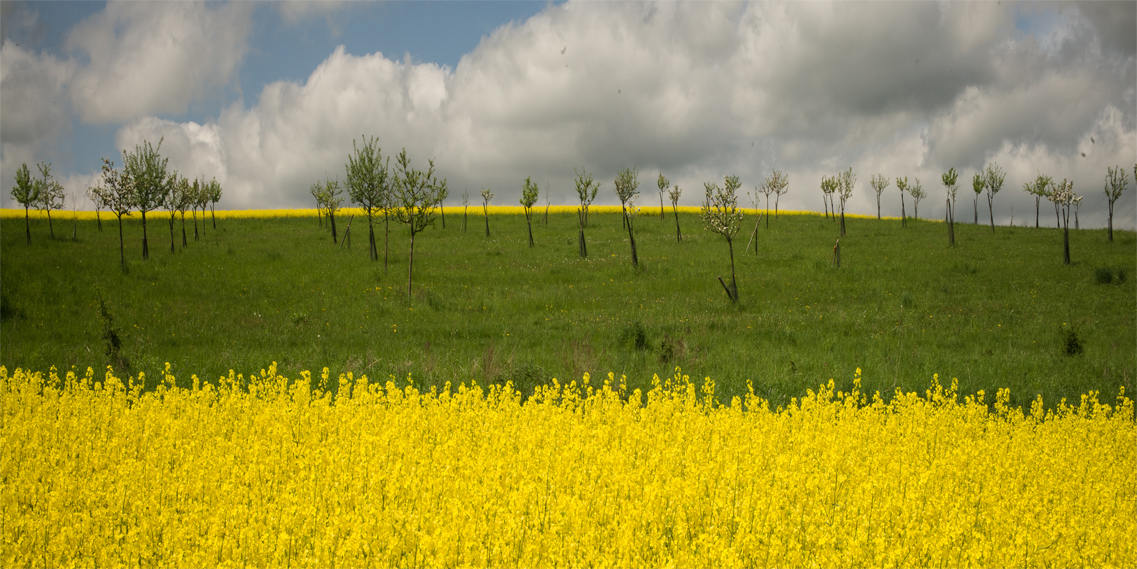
1103	275
1071	343
633	337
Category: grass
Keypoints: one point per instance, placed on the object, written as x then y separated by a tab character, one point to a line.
998	310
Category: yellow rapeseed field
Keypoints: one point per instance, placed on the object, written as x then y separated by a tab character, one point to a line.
267	471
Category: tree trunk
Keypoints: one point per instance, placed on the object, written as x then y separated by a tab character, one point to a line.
632	239
171	233
487	214
185	243
991	209
464	216
767	211
546	214
411	264
777	197
331	217
28	225
195	234
213	214
1111	221
121	246
442	211
661	217
529	223
878	206
825	202
99	219
373	250
50	228
903	212
1036	200
386	238
950	223
1057	218
842	217
145	245
976	209
1066	236
678	233
733	282
582	244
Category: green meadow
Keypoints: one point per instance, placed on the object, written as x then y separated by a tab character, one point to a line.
999	310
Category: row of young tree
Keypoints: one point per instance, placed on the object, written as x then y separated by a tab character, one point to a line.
990	181
144	184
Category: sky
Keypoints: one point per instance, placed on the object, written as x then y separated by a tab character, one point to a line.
268	97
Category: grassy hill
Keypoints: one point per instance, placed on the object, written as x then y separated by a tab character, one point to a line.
998	310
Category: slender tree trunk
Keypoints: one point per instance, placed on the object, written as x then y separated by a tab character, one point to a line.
661	217
529	223
546	214
203	221
145	245
1111	221
1036	200
678	233
185	243
486	211
121	246
949	217
825	202
99	219
583	245
374	250
442	211
733	282
1057	219
213	214
171	232
976	209
195	235
632	239
49	226
916	210
320	216
75	225
777	197
842	217
411	264
903	212
386	238
1066	236
878	206
991	209
767	211
28	225
464	216
335	236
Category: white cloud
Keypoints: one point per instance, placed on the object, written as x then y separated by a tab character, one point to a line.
698	91
144	58
33	99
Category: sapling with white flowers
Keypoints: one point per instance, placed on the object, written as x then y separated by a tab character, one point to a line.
720	215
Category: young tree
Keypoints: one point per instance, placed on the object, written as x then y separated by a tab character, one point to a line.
26	193
993	180
720	215
826	189
1115	183
147	170
626	185
781	182
977	184
529	193
662	183
487	195
674	195
586	191
465	206
179	188
917	192
756	201
1039	188
879	183
766	189
444	193
416	195
92	194
845	183
317	191
184	202
950	180
214	197
902	185
333	199
51	194
368	186
1064	195
116	194
201	200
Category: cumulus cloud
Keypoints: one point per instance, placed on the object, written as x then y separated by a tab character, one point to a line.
144	58
699	91
33	97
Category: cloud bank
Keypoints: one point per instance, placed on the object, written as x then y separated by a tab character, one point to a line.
695	90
